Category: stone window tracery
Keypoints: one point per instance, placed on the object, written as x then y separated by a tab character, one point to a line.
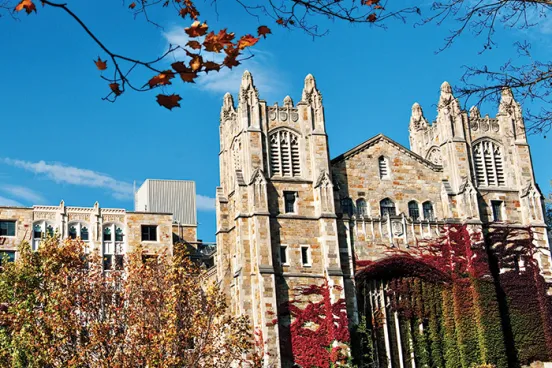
41	229
284	154
428	211
488	162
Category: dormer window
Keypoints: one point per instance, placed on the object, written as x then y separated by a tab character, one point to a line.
284	154
383	165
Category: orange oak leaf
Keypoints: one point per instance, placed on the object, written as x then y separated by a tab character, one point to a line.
169	101
197	29
194	45
372	18
28	5
132	6
247	41
190	10
101	64
115	88
280	21
263	31
161	79
211	65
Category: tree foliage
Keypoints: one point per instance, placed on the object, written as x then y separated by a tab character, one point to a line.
60	309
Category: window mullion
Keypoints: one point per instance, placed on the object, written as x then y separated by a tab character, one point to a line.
493	164
484	164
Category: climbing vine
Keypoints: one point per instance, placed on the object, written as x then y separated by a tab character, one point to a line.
457	301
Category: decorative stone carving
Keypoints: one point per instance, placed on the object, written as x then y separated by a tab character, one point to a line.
78	216
44	215
434	156
397	227
273	114
294	116
114	218
283	116
417	119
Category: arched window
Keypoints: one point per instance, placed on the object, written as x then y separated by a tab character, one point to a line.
362	208
428	211
284	154
383	165
41	230
489	168
347	206
113	247
387	207
414	210
78	230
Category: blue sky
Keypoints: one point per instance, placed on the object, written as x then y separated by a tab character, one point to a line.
61	141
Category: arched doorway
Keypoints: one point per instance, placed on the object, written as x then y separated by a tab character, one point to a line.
401	301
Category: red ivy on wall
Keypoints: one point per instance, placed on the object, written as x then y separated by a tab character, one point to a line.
319	330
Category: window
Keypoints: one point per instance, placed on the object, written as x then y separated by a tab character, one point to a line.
7	228
78	230
7	256
383	167
289	202
347	206
305	255
428	211
387	207
414	210
283	254
41	229
489	169
362	208
496	206
113	247
284	154
149	232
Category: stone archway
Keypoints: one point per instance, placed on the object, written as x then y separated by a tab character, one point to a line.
401	302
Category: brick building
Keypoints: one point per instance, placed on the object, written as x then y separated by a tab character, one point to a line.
289	216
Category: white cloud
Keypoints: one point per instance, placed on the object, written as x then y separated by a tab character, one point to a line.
9	202
204	203
267	79
23	193
61	173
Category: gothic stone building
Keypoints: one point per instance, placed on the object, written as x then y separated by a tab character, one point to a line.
288	216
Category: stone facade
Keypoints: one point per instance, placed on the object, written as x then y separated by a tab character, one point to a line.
289	217
92	225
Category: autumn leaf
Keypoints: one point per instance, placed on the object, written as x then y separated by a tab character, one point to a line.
210	66
247	41
101	64
132	6
115	88
187	74
161	79
28	5
371	2
263	31
372	18
169	101
231	61
194	45
216	42
280	21
196	62
197	29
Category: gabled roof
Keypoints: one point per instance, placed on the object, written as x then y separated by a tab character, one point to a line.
377	139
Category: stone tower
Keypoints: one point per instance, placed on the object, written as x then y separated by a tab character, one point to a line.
277	229
487	169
